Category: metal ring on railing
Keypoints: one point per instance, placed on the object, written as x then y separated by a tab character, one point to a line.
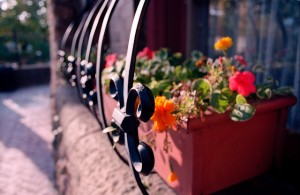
131	139
90	67
135	103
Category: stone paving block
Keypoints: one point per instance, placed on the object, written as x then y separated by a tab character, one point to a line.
26	163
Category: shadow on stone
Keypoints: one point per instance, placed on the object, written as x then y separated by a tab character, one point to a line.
22	127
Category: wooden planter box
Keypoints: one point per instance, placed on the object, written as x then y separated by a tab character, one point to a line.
217	153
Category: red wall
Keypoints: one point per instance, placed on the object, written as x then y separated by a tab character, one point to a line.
166	25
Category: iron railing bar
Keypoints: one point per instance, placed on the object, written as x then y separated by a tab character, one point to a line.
135	173
72	25
76	35
67	34
92	33
98	8
85	28
132	140
132	46
99	62
101	119
111	141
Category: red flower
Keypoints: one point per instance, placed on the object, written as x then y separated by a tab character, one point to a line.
221	60
146	53
242	82
110	60
240	59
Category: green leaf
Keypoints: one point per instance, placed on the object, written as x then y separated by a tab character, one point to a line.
109	129
163	84
242	112
219	102
240	99
181	73
177	55
229	94
264	93
163	54
202	87
196	55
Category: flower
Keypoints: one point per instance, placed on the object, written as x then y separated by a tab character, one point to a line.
163	117
202	61
172	176
194	88
146	52
110	60
240	59
190	88
243	83
223	44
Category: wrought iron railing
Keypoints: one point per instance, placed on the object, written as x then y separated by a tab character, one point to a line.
85	76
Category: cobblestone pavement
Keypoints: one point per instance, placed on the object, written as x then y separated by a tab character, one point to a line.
26	164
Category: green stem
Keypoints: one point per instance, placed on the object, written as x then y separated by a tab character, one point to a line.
171	166
224	53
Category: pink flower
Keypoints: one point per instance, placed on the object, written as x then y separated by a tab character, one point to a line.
240	59
146	53
110	60
242	82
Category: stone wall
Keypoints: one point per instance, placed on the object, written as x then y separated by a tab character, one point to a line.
85	160
60	13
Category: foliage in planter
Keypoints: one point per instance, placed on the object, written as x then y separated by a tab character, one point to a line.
188	88
198	83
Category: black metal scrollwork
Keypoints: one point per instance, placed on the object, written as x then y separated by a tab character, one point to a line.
139	106
85	70
136	103
72	26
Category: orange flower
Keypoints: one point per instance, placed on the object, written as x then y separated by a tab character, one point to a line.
163	117
172	176
201	62
223	44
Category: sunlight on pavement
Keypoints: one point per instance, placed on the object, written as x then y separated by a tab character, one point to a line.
26	164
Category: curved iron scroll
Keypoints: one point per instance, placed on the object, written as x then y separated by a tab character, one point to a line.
99	64
85	74
62	62
89	72
71	27
71	69
136	103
